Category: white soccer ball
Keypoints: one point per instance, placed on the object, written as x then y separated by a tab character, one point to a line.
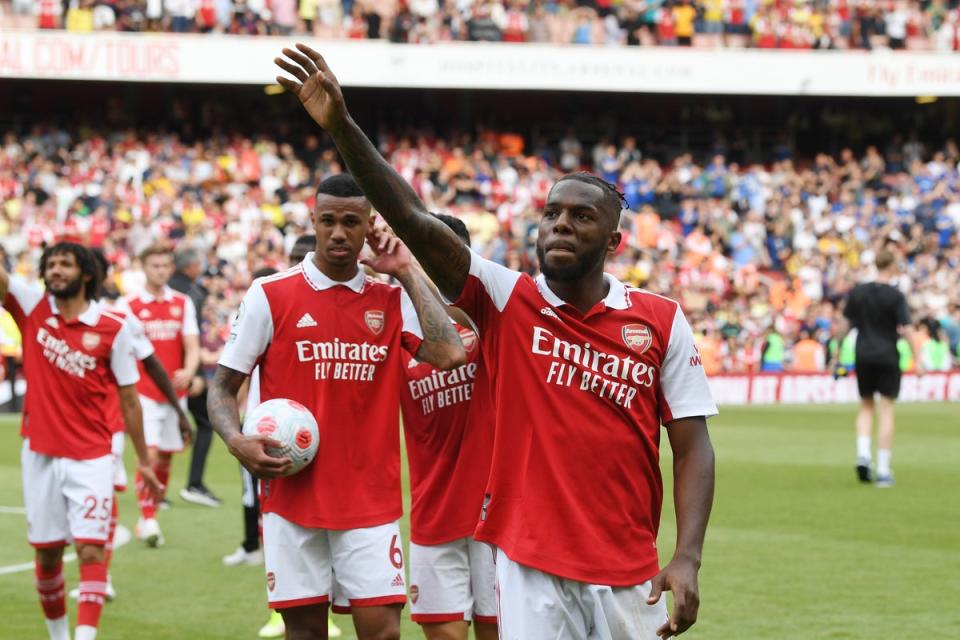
288	422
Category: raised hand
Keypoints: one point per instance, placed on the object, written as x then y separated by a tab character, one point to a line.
391	256
315	85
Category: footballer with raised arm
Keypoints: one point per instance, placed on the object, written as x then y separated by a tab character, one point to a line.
587	371
326	335
76	354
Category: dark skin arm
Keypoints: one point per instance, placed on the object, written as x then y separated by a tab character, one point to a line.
154	369
693	478
224	413
442	254
133	420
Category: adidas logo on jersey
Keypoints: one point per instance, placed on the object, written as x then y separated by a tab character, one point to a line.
53	322
547	311
397	581
306	320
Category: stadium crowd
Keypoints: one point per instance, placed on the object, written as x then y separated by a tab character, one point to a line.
760	255
787	24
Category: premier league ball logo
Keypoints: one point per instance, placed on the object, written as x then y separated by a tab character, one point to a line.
637	336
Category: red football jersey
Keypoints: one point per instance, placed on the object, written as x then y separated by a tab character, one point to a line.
449	434
575	487
142	349
166	320
72	369
338	349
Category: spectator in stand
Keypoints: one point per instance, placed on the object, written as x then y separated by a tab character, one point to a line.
684	16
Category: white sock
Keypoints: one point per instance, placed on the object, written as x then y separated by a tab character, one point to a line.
863	448
883	462
85	632
59	629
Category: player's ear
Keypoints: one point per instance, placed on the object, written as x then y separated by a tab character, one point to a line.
614	241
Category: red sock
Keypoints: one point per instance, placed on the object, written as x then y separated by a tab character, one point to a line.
50	587
148	507
114	516
93	592
163	473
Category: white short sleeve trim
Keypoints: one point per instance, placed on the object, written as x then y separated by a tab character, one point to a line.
497	280
27	296
142	347
190	326
251	332
123	362
682	378
411	321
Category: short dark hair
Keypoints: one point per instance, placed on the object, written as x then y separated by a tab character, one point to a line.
263	272
456	225
85	260
341	185
104	266
304	245
613	199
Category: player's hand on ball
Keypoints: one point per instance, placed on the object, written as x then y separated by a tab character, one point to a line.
251	451
315	85
390	255
154	486
680	577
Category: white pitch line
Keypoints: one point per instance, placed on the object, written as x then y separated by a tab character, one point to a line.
14	511
120	538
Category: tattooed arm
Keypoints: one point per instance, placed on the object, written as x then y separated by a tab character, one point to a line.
442	255
441	344
224	415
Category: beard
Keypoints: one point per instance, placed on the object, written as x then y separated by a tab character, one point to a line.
69	290
587	263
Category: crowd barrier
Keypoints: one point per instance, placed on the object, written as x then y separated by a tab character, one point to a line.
821	388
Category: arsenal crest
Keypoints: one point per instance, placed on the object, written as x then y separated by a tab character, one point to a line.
637	336
414	593
176	312
374	320
90	340
469	339
271	581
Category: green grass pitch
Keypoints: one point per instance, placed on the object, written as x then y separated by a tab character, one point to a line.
796	548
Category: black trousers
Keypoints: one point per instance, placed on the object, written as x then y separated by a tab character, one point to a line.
201	441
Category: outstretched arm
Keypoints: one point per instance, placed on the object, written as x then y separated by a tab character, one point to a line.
225	418
693	478
443	256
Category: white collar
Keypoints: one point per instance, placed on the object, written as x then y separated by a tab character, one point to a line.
319	281
616	295
166	296
90	316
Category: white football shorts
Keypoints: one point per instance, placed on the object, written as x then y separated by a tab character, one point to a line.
67	500
119	471
453	581
538	606
301	564
161	429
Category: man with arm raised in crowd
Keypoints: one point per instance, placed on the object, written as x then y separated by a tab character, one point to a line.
587	371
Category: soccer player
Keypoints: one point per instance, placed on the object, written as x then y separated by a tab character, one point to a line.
587	370
449	435
76	355
332	339
879	313
170	322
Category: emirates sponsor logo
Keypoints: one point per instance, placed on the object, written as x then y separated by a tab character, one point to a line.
374	320
60	355
338	360
637	336
469	339
271	581
414	593
443	388
90	340
162	330
306	320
